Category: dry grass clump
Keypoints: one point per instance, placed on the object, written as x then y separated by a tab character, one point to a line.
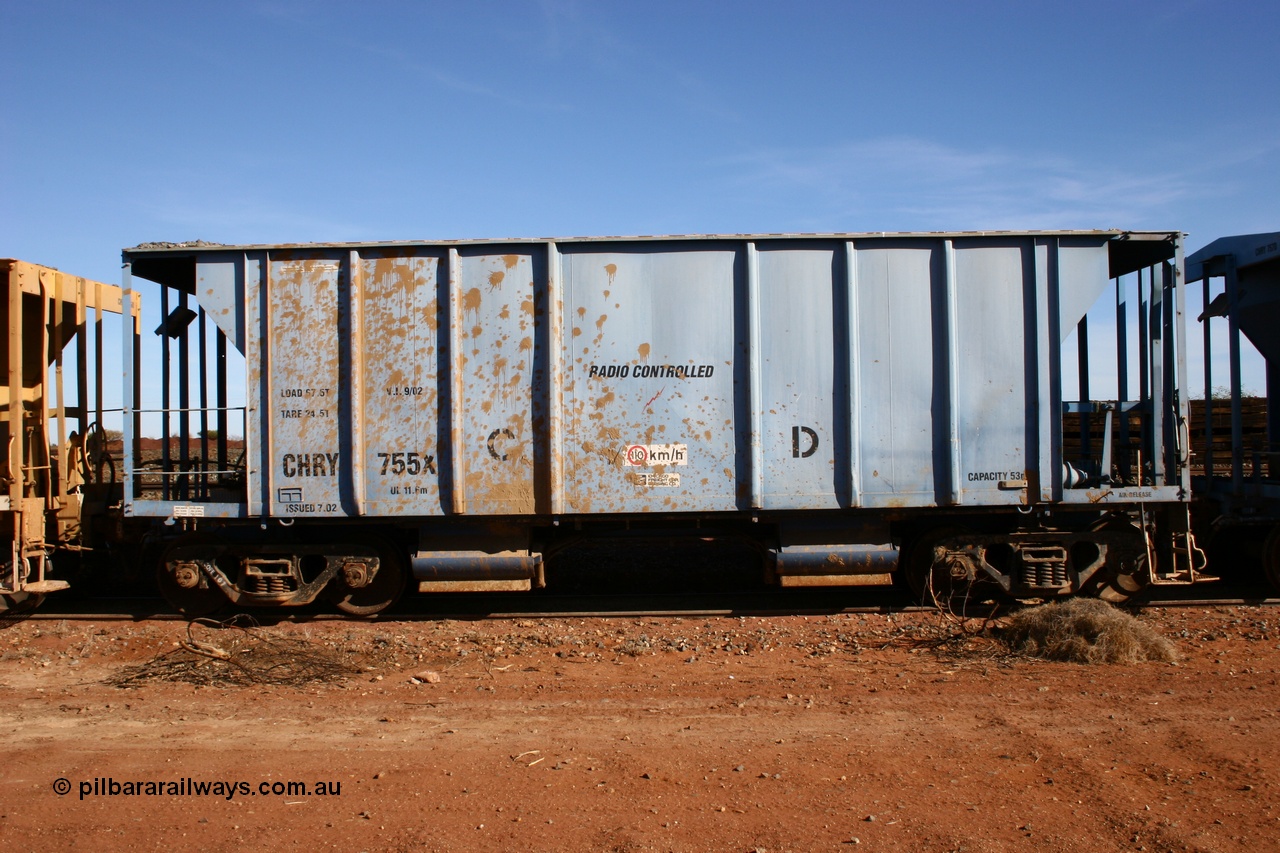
239	652
1084	630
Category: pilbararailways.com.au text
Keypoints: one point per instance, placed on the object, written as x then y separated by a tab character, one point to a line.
188	787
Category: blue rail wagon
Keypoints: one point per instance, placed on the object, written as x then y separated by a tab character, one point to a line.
852	404
1239	489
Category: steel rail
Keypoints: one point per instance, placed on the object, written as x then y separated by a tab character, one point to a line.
615	606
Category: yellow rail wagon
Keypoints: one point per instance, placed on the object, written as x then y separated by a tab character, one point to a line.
57	463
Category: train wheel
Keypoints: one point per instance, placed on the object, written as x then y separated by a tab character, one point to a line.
951	586
15	605
181	581
1271	557
381	592
918	566
1121	588
1125	576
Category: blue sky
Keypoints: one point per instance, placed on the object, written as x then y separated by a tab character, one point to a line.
281	120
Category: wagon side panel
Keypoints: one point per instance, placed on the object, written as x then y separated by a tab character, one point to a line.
397	435
654	354
802	306
901	372
991	372
302	384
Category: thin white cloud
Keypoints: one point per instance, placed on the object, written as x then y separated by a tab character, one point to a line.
233	217
405	62
895	182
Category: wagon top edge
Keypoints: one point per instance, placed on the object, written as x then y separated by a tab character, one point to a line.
161	247
1244	250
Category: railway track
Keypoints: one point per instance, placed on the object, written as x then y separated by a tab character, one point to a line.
619	604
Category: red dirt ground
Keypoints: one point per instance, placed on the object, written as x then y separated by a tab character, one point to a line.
827	733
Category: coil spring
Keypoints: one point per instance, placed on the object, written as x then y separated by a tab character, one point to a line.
271	585
1044	567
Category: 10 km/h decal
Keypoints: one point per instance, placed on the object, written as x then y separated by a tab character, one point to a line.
643	455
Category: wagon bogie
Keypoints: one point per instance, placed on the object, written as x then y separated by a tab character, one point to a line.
952	564
205	570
